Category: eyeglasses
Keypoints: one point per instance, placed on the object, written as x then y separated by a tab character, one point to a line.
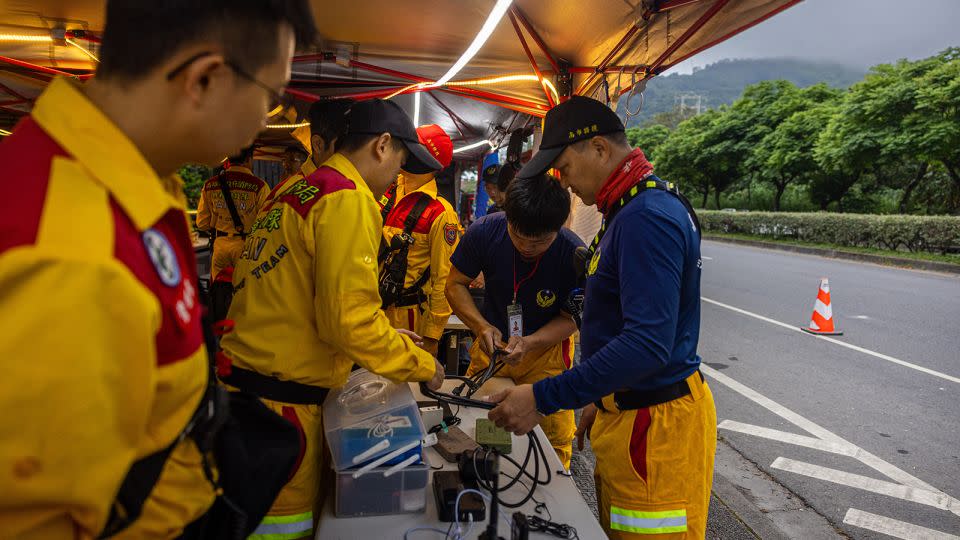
279	102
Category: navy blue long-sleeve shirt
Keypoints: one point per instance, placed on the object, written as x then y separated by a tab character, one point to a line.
641	316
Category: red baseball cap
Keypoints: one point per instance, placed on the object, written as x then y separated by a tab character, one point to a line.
438	143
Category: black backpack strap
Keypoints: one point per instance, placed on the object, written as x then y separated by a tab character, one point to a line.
416	213
136	487
203	426
228	200
388	201
393	257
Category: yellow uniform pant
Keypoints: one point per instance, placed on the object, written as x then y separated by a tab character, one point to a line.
559	427
655	466
226	252
405	317
296	509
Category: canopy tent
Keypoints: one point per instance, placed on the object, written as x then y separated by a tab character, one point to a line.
384	48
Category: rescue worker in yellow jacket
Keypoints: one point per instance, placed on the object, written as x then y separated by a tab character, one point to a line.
524	254
414	267
647	409
102	344
247	192
315	247
327	125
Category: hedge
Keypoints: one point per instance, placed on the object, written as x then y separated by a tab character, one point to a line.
893	232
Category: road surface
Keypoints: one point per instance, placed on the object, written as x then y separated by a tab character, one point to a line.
865	427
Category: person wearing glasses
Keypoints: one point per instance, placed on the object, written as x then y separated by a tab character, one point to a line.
102	343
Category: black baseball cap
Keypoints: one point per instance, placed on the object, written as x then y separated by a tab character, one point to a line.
577	119
376	116
491	173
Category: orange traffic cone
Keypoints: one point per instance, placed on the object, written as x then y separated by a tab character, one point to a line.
822	320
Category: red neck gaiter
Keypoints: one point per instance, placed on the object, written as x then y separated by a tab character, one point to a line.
628	173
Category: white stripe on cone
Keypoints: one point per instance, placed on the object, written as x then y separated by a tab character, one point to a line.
824	310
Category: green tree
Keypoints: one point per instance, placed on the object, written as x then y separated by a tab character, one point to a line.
936	124
784	156
193	178
677	157
893	125
648	138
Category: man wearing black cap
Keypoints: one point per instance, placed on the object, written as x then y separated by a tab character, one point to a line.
655	433
314	247
491	184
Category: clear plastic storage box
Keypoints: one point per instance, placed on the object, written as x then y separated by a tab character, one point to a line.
371	417
374	494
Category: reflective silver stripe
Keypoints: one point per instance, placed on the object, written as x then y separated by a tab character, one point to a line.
648	523
284	528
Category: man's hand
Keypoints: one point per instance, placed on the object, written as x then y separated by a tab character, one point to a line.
417	340
490	339
517	409
516	349
587	417
437	381
431	346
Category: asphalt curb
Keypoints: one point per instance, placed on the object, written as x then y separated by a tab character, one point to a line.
914	264
767	508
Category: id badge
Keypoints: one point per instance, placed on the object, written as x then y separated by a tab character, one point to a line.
515	320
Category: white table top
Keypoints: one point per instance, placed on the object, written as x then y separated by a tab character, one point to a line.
454	323
560	495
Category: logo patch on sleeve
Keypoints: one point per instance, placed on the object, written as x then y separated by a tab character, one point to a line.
450	233
163	257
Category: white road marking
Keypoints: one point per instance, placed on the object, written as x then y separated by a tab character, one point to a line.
893	527
882	487
704	257
796	328
861	317
887	469
789	438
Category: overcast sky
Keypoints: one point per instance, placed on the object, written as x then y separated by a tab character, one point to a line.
859	33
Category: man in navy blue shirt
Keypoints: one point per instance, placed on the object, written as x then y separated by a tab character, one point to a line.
525	255
655	433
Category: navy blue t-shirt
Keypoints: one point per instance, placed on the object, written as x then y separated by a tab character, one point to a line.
641	314
486	247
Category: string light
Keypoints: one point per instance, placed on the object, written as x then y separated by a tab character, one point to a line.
82	49
488	27
4	132
26	38
507	78
477	82
474	145
288	126
416	109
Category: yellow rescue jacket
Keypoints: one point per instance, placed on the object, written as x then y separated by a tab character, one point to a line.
102	346
435	236
248	193
306	306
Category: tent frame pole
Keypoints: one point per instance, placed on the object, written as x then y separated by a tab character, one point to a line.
656	66
606	61
535	36
533	61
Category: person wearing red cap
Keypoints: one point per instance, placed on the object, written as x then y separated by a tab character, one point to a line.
420	232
